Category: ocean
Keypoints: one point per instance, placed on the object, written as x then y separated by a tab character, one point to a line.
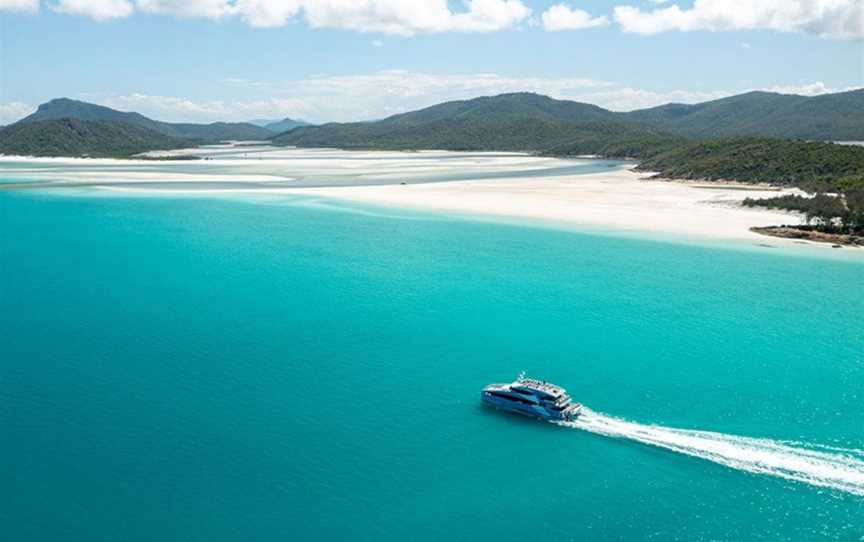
214	368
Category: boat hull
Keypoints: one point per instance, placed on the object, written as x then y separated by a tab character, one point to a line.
531	410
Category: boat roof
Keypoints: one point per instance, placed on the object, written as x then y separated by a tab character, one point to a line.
539	385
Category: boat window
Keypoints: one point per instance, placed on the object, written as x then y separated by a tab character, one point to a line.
511	398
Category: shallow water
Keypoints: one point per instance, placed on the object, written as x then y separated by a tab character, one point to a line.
244	370
226	168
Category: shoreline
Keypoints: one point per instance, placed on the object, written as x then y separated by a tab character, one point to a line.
623	200
836	240
510	186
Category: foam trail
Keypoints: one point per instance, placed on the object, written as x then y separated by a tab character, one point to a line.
836	468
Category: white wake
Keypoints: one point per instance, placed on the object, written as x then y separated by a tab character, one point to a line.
831	467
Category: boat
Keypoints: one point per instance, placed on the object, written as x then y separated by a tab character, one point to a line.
531	397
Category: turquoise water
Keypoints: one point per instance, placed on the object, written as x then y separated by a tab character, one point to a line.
207	369
304	169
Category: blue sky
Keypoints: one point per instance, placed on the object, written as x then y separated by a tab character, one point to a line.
322	60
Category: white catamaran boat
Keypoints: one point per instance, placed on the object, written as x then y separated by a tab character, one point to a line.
533	398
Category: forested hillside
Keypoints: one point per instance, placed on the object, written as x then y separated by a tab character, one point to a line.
205	133
74	137
829	117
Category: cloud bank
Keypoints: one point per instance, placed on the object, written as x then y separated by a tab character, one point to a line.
380	94
99	10
13	111
398	17
22	6
833	19
838	19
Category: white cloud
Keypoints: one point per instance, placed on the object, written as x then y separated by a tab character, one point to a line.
561	17
170	108
325	98
744	45
808	89
838	19
399	17
14	111
205	9
415	17
627	98
359	97
100	10
267	13
24	6
246	83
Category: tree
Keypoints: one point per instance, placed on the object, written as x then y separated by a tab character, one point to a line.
853	218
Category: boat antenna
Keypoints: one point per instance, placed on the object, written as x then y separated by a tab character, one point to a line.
521	376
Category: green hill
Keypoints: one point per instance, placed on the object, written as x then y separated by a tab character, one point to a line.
74	137
514	122
218	131
518	104
531	122
829	117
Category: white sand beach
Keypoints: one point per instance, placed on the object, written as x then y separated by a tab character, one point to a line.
619	199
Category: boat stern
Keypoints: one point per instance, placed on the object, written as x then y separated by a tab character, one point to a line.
572	412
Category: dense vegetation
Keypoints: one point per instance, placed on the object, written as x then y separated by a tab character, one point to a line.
636	143
829	117
200	133
840	211
73	137
499	133
808	165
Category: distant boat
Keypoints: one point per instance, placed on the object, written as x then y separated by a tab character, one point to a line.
531	397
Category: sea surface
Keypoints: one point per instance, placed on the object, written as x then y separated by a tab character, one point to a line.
226	368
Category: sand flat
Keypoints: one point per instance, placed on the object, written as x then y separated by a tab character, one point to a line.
620	199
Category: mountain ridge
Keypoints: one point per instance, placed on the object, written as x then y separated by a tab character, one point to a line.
829	117
60	108
753	114
519	121
76	137
514	121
